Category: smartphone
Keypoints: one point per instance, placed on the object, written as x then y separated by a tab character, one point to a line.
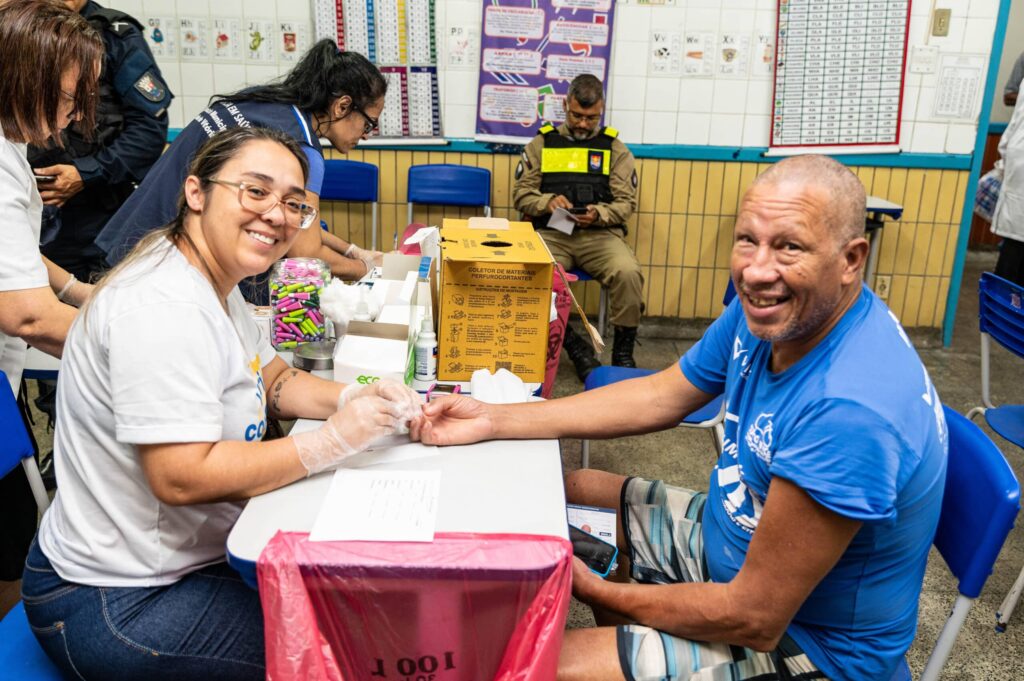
43	179
598	554
578	210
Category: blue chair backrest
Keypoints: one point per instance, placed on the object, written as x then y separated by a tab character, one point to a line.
16	444
450	185
350	181
981	500
730	293
1001	312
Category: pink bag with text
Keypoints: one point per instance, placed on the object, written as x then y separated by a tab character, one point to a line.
465	607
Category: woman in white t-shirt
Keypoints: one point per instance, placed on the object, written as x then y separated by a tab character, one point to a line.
165	388
49	65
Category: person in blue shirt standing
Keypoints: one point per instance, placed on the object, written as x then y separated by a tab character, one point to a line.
329	93
89	178
806	556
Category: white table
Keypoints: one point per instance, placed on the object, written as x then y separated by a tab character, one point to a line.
876	209
507	486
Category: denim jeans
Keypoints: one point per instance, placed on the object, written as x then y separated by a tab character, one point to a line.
208	625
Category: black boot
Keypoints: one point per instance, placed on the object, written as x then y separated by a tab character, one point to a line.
622	348
580	352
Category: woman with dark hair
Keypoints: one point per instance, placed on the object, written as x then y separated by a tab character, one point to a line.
329	93
49	66
165	389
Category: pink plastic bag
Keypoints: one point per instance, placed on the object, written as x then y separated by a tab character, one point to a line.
556	331
465	607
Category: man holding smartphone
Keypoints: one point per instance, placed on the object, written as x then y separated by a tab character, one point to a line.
585	169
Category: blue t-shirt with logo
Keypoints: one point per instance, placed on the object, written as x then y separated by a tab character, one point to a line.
858	426
155	203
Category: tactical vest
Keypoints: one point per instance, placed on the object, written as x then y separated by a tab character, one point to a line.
109	118
577	169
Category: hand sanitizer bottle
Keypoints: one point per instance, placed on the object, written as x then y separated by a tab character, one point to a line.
425	351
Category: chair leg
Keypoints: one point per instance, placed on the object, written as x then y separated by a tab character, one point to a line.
717	436
1006	608
974	412
937	660
602	311
585	451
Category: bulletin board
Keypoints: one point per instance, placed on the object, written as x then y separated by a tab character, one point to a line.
399	37
530	52
839	75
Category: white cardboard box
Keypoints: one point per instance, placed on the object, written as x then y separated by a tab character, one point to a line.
371	351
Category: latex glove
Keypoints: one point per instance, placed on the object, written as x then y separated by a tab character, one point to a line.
410	402
370	258
348	431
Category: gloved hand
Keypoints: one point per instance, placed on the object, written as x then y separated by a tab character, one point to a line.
410	402
348	431
370	258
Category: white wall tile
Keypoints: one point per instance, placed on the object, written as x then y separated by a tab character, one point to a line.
261	8
955	39
459	121
978	35
925	104
695	95
984	8
911	96
693	128
730	96
162	8
702	19
755	131
630	125
929	138
192	105
958	7
226	8
257	74
175	117
228	78
197	78
703	4
460	88
726	130
659	127
662	94
633	23
297	10
193	8
906	135
171	71
628	93
759	97
632	61
960	139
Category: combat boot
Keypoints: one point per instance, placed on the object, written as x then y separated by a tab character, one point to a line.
580	352
622	348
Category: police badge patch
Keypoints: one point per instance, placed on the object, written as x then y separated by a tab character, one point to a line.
596	161
150	87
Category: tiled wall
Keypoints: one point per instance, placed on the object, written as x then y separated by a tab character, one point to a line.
682	231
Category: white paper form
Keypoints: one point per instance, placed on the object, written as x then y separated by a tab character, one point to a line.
379	506
563	221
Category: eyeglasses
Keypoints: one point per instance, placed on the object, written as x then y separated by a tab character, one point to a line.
260	200
584	119
371	123
74	107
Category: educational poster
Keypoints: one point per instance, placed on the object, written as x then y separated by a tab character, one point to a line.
162	37
699	54
839	75
733	55
195	38
463	48
259	41
399	37
292	40
666	53
961	77
763	55
227	40
529	54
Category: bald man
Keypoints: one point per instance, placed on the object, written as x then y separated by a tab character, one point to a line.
805	557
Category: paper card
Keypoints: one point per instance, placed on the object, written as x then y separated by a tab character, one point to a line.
195	38
259	40
162	36
364	505
227	40
292	40
563	221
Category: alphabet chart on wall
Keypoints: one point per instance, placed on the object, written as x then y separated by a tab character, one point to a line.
397	36
839	75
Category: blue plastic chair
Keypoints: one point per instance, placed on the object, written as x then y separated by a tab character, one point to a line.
981	501
449	185
356	182
1001	318
20	654
710	416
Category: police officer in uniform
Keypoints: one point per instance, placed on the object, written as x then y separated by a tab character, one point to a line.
85	183
585	169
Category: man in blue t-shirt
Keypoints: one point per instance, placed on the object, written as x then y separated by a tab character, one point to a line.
806	556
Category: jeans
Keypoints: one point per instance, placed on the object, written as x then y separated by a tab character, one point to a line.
208	625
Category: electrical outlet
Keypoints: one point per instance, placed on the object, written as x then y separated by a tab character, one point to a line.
882	285
940	22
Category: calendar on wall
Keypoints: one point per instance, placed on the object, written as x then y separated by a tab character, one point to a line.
397	36
839	75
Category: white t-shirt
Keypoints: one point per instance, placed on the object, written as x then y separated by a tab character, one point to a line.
1008	215
153	360
21	266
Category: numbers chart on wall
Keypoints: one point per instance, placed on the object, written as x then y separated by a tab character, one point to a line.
397	36
839	75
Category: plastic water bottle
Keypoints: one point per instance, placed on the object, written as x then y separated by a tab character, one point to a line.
425	351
